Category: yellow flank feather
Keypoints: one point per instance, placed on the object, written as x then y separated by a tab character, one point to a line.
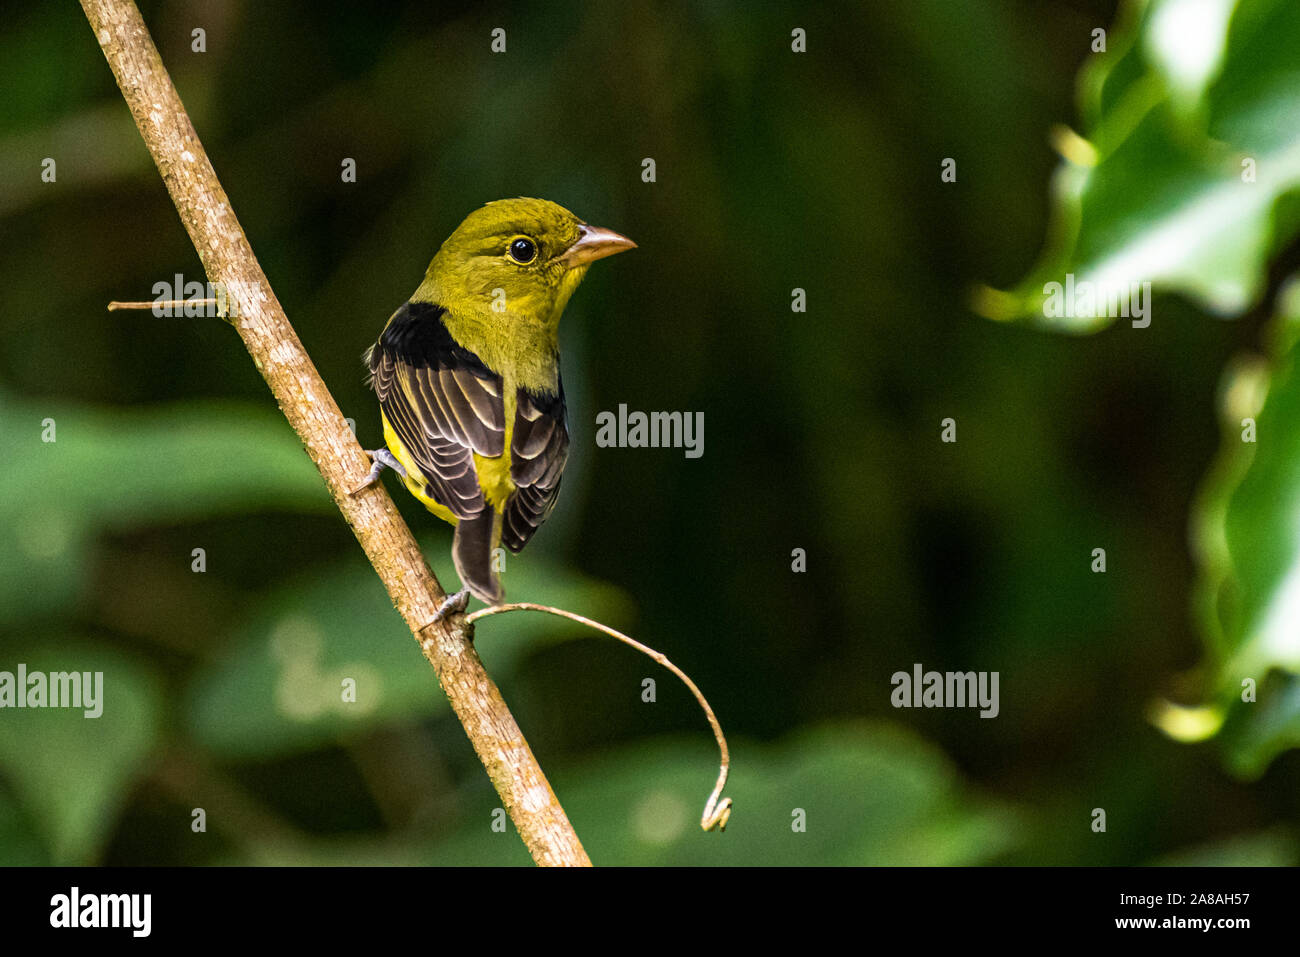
413	480
494	472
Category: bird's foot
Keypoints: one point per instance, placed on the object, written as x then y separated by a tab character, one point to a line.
382	459
452	605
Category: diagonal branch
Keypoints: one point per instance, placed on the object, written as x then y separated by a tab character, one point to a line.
260	321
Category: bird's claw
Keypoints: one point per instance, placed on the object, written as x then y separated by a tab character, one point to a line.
452	605
382	459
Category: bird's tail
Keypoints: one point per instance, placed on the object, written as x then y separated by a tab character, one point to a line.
471	550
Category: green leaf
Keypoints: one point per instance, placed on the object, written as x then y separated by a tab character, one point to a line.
73	773
1276	847
1177	108
19	844
121	469
1254	734
1247	534
870	793
280	688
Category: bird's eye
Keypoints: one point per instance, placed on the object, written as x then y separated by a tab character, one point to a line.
522	250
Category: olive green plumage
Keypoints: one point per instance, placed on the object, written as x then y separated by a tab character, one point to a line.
468	376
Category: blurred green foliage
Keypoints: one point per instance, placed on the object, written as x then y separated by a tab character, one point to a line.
1189	180
1191	141
640	805
775	170
279	689
74	773
1250	542
111	470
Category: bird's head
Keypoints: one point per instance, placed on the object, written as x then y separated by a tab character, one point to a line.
524	257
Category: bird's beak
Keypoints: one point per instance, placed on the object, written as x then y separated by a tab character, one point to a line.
594	243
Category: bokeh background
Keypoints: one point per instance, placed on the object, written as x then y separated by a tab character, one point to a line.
776	170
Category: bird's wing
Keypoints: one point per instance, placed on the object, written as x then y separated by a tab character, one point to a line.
441	400
539	447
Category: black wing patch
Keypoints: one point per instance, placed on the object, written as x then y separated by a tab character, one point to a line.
441	400
539	447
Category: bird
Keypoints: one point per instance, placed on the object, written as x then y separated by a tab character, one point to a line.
467	373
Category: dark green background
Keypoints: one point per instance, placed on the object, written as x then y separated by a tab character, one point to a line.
775	171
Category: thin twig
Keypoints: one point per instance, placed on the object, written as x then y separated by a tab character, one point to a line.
206	212
716	813
114	306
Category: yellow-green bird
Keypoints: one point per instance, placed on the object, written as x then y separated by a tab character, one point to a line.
468	378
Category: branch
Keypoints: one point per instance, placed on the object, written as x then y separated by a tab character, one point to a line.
303	398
